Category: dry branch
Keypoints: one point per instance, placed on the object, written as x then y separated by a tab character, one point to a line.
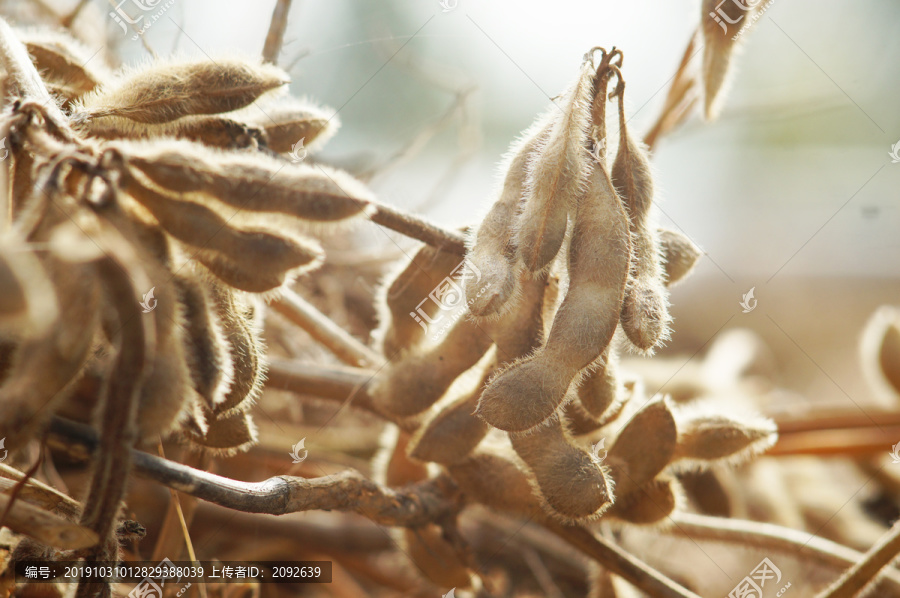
45	527
795	543
319	326
865	570
619	562
412	506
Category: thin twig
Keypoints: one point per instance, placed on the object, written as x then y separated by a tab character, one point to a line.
848	442
863	572
677	106
45	527
411	506
418	228
822	418
617	561
275	36
319	326
797	544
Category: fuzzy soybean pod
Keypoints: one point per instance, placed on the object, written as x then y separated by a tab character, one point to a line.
645	312
65	63
600	389
570	482
417	379
529	391
166	91
206	347
288	121
211	130
680	254
644	447
485	471
245	348
255	260
706	434
720	23
493	251
225	436
454	432
408	308
250	182
649	505
557	174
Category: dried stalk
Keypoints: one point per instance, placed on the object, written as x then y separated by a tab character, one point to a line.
829	418
119	418
864	571
676	108
412	506
47	528
339	384
797	544
418	228
849	442
319	326
38	493
619	562
275	36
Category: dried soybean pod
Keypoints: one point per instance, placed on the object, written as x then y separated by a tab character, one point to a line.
406	298
206	347
704	435
529	391
245	348
416	380
286	121
255	261
645	313
557	173
226	435
166	396
571	484
250	181
635	461
63	62
213	131
650	504
455	431
600	388
492	249
435	557
720	23
391	466
483	473
164	91
582	422
679	253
